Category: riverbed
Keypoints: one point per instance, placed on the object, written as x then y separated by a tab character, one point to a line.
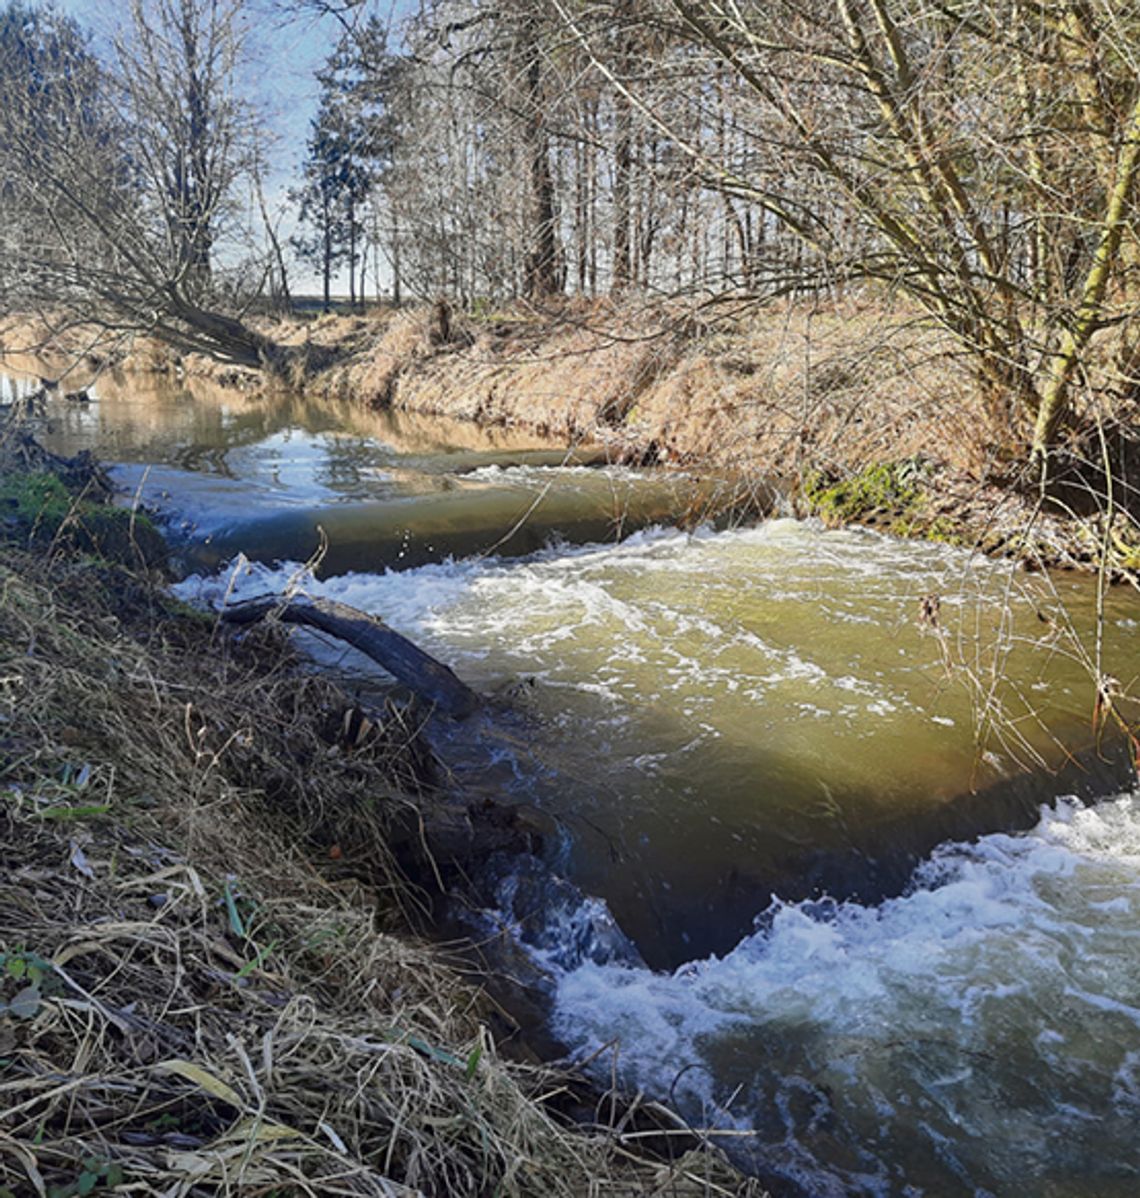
808	784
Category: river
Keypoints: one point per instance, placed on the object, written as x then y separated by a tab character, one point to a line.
827	896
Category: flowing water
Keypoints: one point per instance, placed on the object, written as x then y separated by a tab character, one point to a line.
769	772
279	478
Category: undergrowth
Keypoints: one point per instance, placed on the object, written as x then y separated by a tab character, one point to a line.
893	487
63	504
892	496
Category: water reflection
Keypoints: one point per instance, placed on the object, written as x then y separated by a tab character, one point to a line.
277	475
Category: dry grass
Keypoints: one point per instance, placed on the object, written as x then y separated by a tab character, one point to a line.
755	398
571	374
741	388
750	391
793	387
212	1013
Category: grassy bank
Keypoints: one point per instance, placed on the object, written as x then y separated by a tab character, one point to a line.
207	977
820	399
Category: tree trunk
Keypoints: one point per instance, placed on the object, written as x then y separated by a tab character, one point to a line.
326	265
286	300
623	155
351	256
542	257
419	671
1055	400
397	296
581	216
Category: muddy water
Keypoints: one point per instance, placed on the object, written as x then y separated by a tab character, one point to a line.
281	477
765	765
718	717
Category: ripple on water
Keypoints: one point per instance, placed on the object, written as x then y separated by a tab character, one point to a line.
978	1031
987	1021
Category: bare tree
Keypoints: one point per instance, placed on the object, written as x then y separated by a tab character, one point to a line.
193	136
939	147
134	171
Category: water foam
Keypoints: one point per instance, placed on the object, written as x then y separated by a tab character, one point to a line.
544	475
997	1000
638	599
871	1048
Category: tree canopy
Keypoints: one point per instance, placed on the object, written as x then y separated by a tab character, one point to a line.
977	156
121	175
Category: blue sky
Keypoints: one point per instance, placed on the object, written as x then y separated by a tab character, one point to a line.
279	79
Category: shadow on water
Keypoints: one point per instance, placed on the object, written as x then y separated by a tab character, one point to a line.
455	518
690	882
278	476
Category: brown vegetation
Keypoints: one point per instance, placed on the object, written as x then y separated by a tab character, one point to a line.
759	400
751	396
851	382
203	989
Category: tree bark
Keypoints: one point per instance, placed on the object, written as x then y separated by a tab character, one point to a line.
542	254
623	158
430	679
326	263
1056	397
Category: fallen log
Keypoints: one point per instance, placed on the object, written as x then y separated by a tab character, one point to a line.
419	671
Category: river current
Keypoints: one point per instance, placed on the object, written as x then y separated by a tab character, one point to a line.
810	785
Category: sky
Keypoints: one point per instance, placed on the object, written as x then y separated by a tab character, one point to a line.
285	54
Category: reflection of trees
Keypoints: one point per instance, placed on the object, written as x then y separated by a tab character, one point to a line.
197	426
410	432
348	462
147	418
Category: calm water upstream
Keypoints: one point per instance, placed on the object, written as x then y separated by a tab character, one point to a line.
770	775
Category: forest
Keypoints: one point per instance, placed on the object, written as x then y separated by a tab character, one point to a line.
568	598
977	157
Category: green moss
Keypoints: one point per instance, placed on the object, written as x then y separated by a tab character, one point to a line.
890	496
32	500
38	507
892	486
1125	550
943	529
178	609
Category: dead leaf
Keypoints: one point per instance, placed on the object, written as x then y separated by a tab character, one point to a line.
79	860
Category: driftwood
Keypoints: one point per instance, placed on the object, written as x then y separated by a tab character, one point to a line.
419	671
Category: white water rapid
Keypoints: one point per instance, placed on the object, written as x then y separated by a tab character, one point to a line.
761	713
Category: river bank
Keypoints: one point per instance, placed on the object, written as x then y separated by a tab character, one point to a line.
208	974
706	719
859	412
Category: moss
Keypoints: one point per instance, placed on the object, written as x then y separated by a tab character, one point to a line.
947	531
890	486
890	496
1125	549
194	616
38	507
35	500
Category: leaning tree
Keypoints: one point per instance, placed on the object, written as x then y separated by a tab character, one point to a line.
979	155
121	177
